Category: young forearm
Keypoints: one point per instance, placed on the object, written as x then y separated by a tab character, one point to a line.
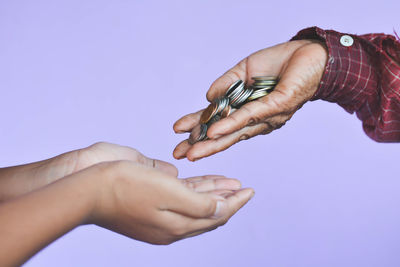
18	180
32	221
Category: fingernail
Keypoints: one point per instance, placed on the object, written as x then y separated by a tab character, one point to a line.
219	209
217	136
252	194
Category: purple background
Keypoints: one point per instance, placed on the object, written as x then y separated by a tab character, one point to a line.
76	72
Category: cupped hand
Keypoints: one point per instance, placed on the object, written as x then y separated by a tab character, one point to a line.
152	206
299	65
19	180
65	164
102	151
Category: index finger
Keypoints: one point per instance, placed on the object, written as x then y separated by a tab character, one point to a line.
187	122
251	113
221	85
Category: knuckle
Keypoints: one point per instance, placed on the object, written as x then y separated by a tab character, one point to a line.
209	97
99	145
252	119
276	124
266	129
244	137
234	74
209	208
251	122
279	125
283	99
192	186
139	158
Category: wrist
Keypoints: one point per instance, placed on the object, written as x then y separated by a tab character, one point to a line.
88	184
350	75
100	182
320	54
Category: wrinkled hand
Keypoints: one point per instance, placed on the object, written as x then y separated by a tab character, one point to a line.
152	206
299	66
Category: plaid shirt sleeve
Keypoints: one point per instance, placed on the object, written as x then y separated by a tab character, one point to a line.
363	78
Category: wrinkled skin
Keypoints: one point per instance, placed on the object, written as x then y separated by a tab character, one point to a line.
299	66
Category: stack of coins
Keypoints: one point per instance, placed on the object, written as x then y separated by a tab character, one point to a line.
236	96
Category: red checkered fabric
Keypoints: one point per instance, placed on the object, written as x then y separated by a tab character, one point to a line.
363	78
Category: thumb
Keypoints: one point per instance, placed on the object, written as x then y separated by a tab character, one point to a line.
224	210
200	205
192	204
227	208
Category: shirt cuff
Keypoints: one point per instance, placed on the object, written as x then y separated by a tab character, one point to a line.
348	72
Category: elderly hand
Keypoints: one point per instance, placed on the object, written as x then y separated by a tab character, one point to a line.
299	66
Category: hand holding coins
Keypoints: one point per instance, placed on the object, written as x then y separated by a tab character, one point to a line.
236	96
299	66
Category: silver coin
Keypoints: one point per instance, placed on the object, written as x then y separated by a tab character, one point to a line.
256	87
243	98
203	132
257	94
199	133
231	111
234	99
235	88
222	103
240	99
257	78
260	91
236	94
266	83
195	134
213	120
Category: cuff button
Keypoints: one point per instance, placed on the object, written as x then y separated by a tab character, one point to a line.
346	40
